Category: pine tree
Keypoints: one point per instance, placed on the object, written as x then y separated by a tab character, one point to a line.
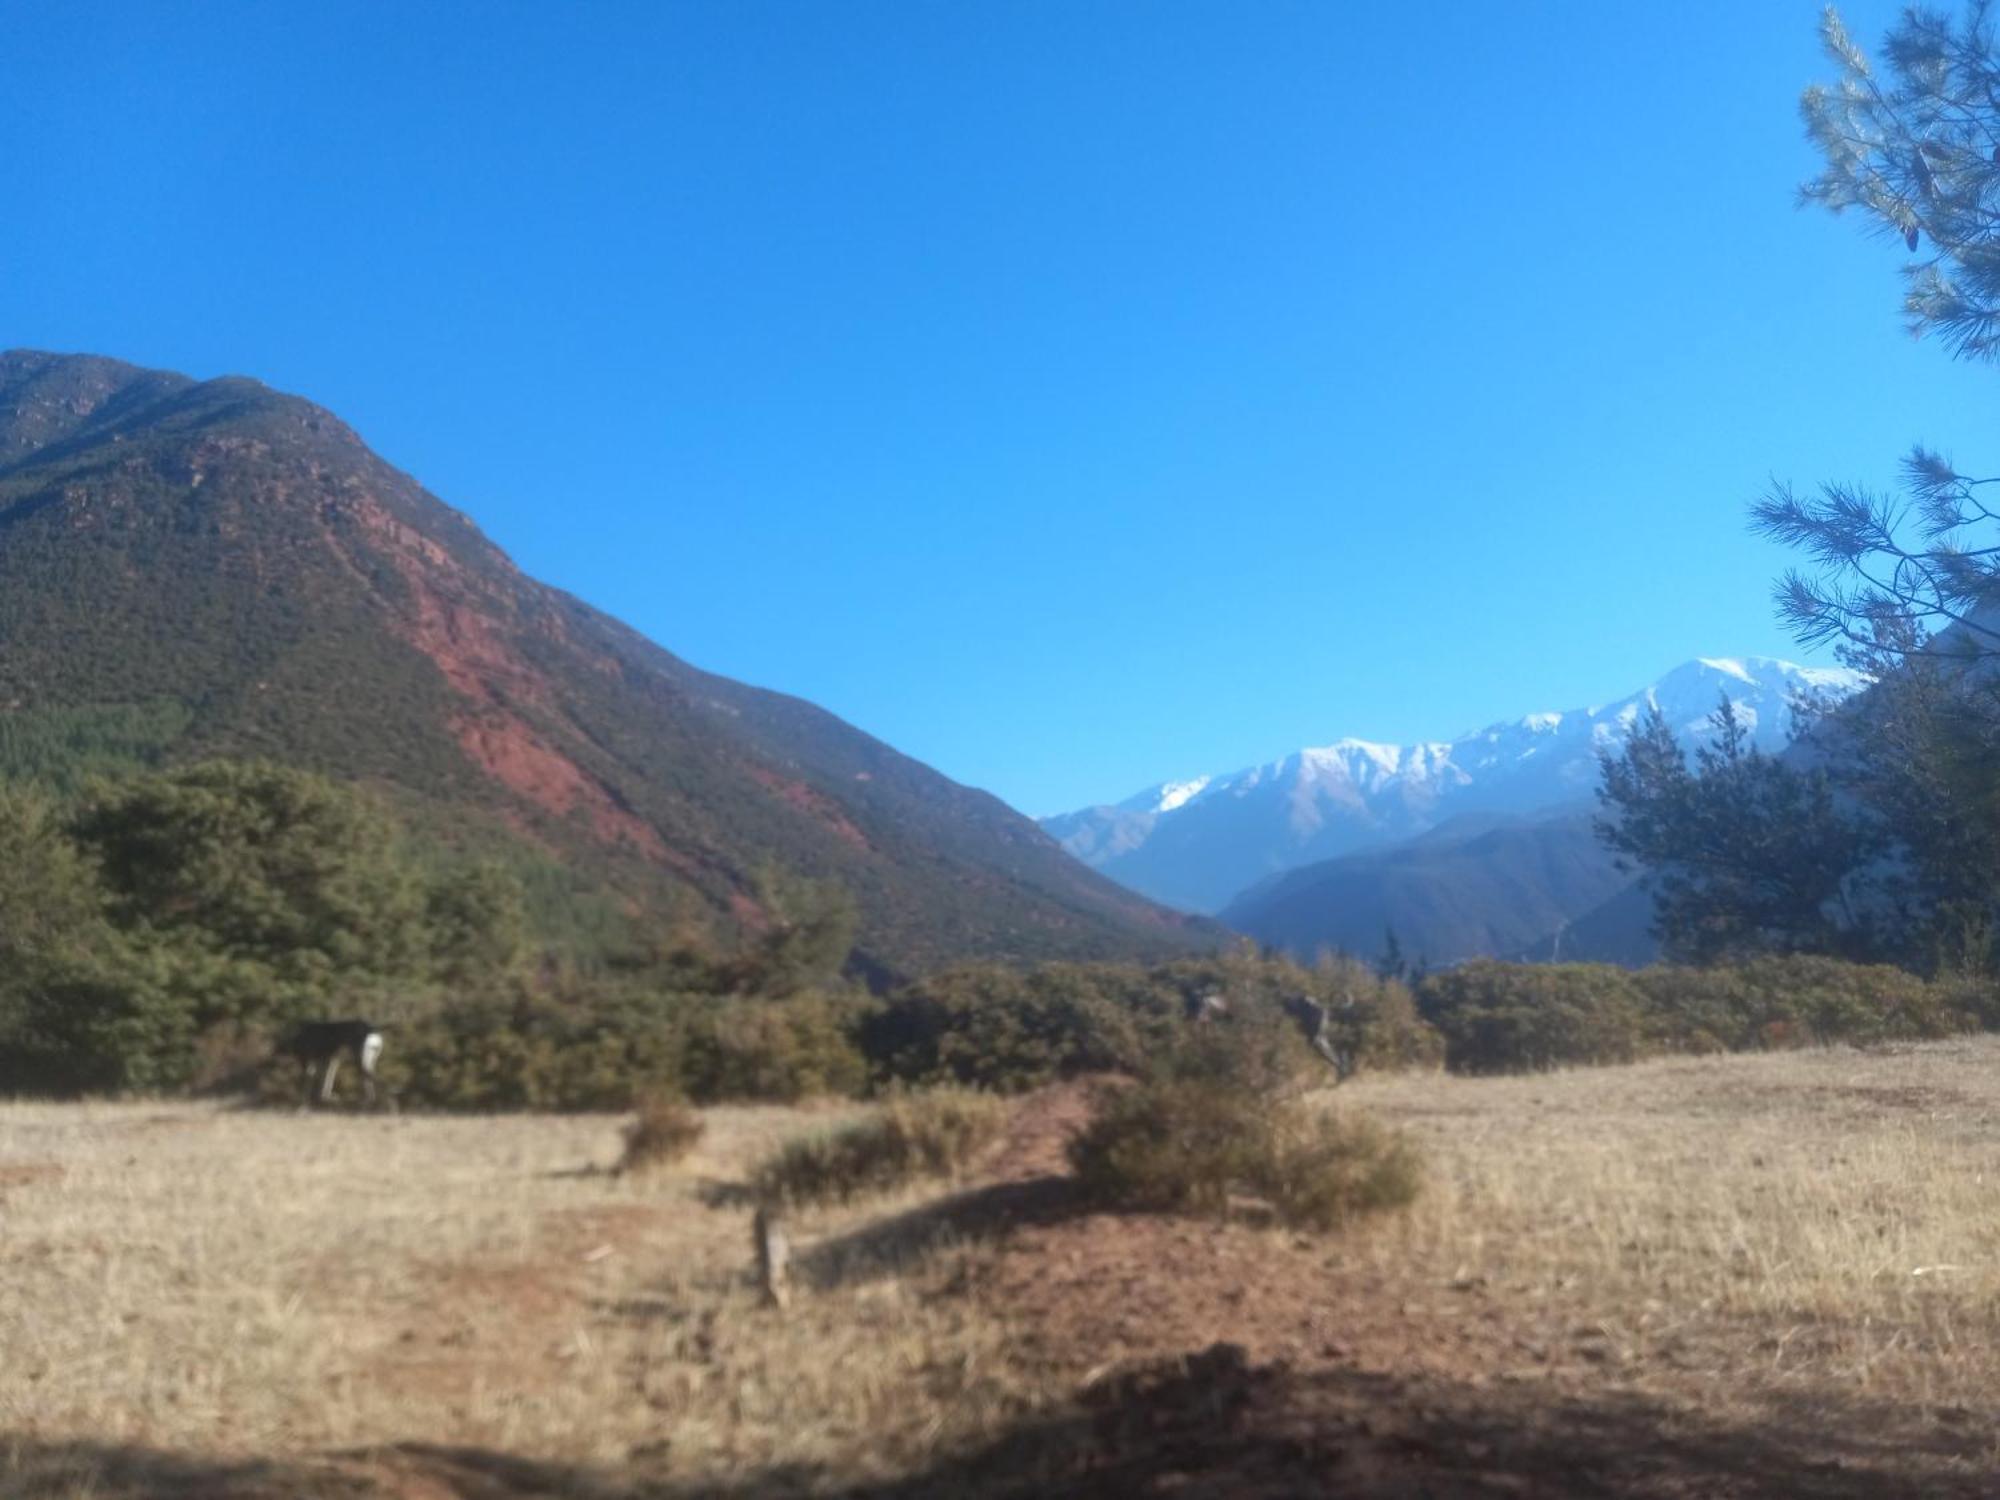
1393	964
1746	854
1916	152
1908	584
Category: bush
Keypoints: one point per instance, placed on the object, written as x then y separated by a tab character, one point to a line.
1801	1000
1700	1010
934	1134
610	1053
666	1130
1010	1030
1255	1049
773	1050
533	1053
1328	1168
1972	999
1372	1018
1498	1017
1173	1145
988	1026
1185	1145
1834	1001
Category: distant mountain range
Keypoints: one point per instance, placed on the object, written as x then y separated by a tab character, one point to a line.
1514	888
195	568
1475	845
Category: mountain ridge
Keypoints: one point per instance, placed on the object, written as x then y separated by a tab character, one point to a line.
242	553
1501	890
1199	843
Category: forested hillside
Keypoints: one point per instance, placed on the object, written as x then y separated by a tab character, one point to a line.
1463	891
195	569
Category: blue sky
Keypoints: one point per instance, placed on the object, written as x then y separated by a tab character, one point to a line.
1073	394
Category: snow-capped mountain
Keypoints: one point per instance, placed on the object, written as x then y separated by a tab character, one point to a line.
1197	842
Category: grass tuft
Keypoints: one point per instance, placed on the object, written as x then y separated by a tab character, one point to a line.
1327	1169
667	1129
933	1134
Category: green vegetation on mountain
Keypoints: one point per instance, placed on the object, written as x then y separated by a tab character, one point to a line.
197	570
1462	891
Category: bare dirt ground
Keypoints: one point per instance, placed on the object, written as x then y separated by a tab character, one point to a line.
1772	1275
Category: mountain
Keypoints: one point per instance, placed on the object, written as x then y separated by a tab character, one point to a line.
1198	843
1617	931
212	567
1472	888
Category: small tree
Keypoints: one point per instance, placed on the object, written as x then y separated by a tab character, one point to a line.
260	863
805	938
1920	751
1746	853
1393	964
475	924
58	956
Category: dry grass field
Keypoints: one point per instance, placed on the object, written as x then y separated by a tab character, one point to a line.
1760	1275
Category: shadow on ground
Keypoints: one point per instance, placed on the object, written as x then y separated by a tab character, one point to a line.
1212	1426
883	1246
1204	1427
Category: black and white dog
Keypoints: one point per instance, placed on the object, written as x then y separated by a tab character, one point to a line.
322	1045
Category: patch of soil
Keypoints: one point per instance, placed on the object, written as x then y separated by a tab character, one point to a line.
1322	1370
451	620
505	1325
15	1174
505	748
815	805
1036	1141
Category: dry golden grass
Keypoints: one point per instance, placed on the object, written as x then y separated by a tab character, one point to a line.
1817	1227
194	1279
1820	1223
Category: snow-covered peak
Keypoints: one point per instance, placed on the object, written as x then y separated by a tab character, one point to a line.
1729	666
1175	794
1229	830
1387	759
1165	797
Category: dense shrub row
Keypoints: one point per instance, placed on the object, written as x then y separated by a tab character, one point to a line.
160	933
528	1053
1496	1017
987	1026
1010	1029
1007	1030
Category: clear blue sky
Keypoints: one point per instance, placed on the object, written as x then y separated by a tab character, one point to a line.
1073	394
